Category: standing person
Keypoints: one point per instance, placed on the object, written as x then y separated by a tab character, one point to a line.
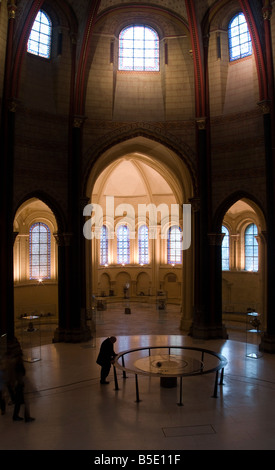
105	357
19	398
2	384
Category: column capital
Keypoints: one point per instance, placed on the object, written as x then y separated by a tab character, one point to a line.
265	106
201	123
79	121
13	104
215	239
195	203
267	10
63	239
11	9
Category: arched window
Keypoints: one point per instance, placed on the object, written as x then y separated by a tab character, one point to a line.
39	42
174	245
251	248
138	49
143	245
104	245
240	44
123	245
225	249
40	251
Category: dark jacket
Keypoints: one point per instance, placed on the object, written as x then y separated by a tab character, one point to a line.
106	352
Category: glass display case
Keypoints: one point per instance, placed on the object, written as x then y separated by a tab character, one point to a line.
253	334
31	338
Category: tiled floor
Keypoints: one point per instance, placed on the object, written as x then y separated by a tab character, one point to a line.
73	411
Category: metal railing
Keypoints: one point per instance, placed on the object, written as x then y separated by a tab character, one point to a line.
203	369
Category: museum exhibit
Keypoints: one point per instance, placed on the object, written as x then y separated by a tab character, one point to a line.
138	203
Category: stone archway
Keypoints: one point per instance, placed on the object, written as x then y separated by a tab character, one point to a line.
140	171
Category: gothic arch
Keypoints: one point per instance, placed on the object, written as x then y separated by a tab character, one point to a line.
52	204
227	203
117	141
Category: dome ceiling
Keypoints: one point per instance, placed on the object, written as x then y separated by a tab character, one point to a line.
130	178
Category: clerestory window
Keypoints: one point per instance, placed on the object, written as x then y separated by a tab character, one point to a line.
138	49
39	42
240	44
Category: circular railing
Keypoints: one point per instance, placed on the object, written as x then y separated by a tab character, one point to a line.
169	366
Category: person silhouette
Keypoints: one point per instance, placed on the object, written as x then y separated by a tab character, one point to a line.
106	357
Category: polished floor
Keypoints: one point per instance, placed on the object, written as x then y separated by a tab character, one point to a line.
74	412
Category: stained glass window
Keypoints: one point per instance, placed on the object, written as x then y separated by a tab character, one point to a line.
240	44
143	245
40	251
123	245
225	249
39	42
104	245
251	248
175	245
138	49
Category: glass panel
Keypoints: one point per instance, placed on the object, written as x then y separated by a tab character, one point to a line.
143	241
240	44
175	245
39	42
134	43
123	245
40	252
104	245
225	249
251	248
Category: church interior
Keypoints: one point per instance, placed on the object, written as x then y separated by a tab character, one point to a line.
138	201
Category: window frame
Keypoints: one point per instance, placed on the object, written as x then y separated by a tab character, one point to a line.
143	58
123	245
177	257
39	254
241	55
104	246
255	247
143	244
48	44
225	248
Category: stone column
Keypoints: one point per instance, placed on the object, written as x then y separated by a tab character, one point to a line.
72	273
201	321
6	188
215	273
268	339
63	241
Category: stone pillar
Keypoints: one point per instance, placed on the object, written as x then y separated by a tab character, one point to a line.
6	189
201	321
189	270
215	274
63	241
72	272
268	339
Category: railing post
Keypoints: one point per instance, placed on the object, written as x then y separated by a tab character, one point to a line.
180	402
137	392
115	377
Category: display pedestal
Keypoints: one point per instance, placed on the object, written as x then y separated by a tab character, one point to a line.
168	382
253	332
31	338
